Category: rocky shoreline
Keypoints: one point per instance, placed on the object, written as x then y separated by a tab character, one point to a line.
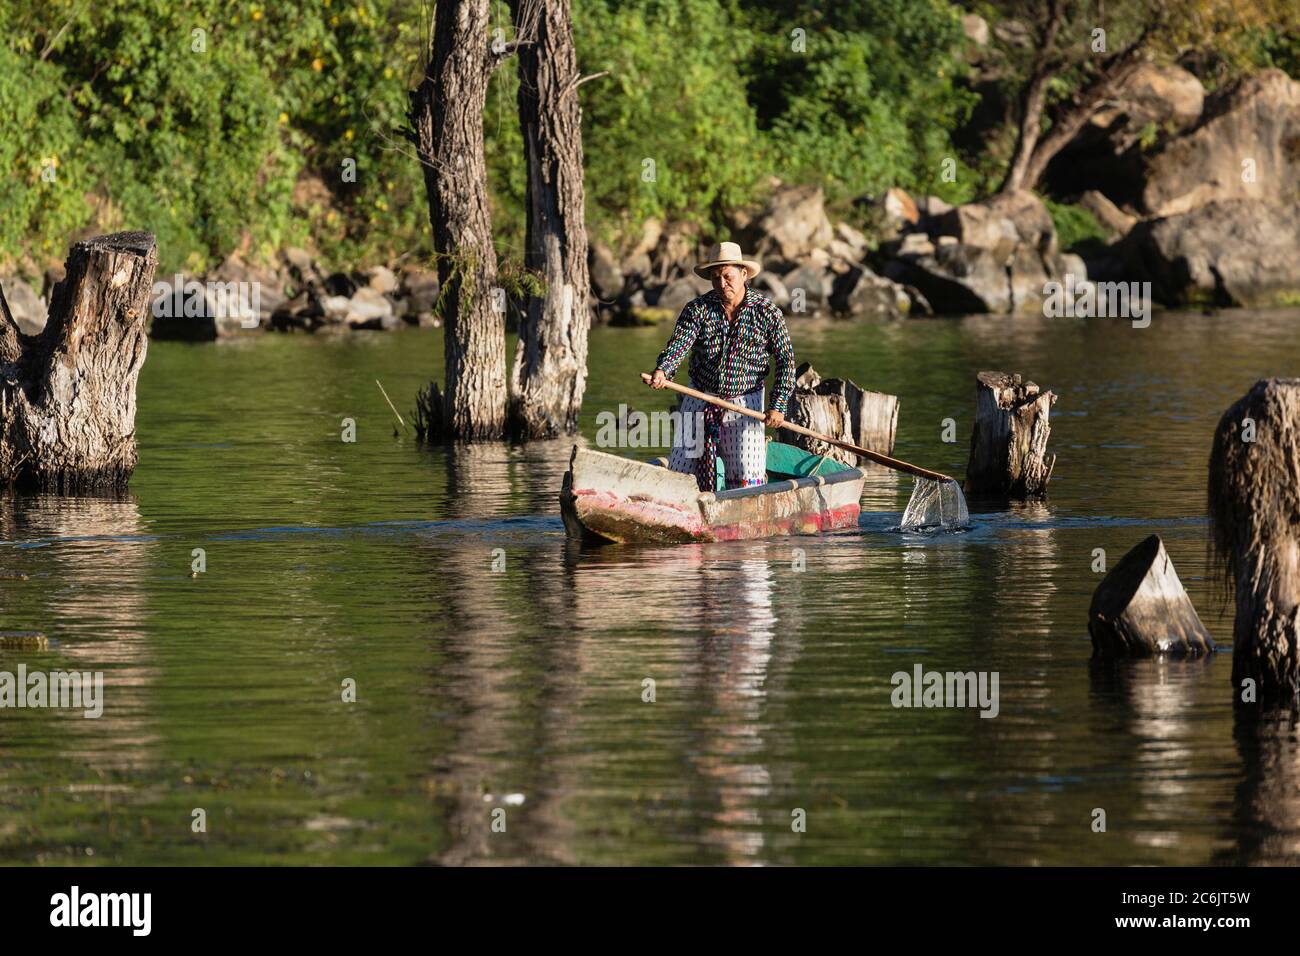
1199	195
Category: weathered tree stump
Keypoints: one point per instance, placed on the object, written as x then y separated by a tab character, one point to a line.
841	409
1254	505
67	395
1008	445
1140	608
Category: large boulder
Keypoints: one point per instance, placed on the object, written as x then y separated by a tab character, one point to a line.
264	286
27	308
1246	147
370	309
792	224
676	294
1167	96
992	256
607	278
810	288
201	310
1156	103
1001	223
862	293
1237	252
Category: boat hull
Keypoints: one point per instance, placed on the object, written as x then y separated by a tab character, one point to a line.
608	498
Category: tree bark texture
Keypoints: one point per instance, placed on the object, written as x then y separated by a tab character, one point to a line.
1008	445
447	120
550	367
67	395
1254	505
841	409
1031	109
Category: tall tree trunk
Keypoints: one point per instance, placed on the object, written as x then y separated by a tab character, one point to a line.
1046	63
447	120
550	368
67	395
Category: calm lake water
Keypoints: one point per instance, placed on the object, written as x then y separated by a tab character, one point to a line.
521	689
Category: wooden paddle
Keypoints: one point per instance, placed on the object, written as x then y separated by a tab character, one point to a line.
863	452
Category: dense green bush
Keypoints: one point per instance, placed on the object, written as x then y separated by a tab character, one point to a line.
243	144
1077	229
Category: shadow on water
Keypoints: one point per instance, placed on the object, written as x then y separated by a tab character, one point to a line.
494	658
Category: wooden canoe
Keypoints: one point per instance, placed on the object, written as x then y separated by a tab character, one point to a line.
609	498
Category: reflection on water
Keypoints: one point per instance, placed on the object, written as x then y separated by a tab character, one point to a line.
499	666
91	585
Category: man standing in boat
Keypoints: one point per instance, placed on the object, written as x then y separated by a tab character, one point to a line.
730	332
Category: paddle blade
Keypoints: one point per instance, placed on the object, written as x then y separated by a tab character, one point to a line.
936	504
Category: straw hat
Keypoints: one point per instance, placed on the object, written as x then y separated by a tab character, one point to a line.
727	254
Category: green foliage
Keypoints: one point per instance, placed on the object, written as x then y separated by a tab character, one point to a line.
669	132
241	143
1076	227
216	125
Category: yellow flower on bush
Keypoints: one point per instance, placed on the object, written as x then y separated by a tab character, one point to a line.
317	64
284	117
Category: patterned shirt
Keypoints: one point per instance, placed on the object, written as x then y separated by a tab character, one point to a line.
730	359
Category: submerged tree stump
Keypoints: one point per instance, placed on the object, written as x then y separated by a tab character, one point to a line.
841	409
1008	445
67	395
1254	505
1140	608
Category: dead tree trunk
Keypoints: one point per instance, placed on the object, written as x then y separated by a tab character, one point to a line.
447	122
1254	504
841	409
67	395
1008	445
1141	609
550	368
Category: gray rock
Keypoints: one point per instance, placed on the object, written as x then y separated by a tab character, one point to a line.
1238	252
300	266
606	277
28	308
770	284
810	289
976	28
999	224
852	238
676	294
918	244
370	309
960	279
863	293
792	224
419	287
1256	119
638	264
192	309
334	308
381	279
303	311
